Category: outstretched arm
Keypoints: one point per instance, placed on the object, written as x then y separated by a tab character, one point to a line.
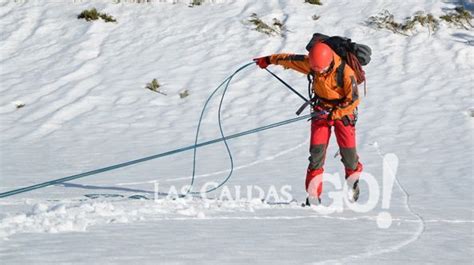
297	62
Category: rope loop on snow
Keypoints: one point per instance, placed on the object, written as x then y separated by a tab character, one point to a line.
194	147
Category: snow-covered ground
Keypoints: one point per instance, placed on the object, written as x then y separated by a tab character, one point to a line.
85	107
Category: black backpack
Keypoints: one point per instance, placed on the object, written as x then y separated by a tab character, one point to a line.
354	54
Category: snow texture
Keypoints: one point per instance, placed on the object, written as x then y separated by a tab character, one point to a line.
74	99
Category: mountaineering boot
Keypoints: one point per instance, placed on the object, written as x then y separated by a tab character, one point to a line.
352	178
354	193
312	201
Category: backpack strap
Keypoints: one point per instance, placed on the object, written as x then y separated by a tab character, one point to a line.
310	77
354	93
340	74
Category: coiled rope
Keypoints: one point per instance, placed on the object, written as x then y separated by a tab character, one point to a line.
196	145
219	121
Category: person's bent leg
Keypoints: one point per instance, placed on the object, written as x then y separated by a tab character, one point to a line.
346	139
320	133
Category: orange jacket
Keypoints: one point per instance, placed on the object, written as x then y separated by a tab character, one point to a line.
325	86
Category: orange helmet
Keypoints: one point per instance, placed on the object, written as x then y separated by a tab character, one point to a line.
320	57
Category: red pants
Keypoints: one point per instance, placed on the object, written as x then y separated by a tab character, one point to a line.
346	139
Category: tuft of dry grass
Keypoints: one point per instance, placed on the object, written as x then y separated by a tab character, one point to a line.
459	17
386	20
425	20
196	3
19	104
93	14
276	28
314	2
183	93
154	86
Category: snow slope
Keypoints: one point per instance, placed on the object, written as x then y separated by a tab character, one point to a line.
86	107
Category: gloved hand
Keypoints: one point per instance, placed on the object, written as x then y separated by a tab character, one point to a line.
263	62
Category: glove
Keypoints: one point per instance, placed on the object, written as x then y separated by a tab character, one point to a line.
320	114
262	62
349	120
